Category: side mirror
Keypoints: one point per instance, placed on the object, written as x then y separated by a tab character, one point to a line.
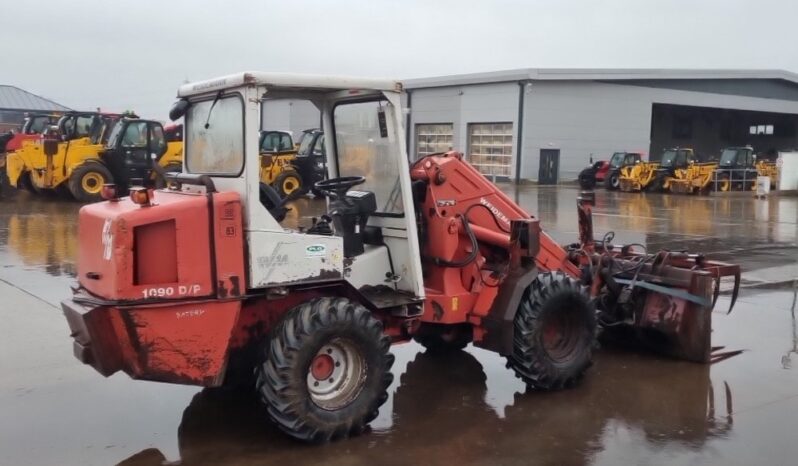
179	109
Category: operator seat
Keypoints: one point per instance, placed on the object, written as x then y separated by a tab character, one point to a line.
272	202
350	213
349	210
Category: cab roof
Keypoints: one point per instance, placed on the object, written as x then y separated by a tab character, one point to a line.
288	81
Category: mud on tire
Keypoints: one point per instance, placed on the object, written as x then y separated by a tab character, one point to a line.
325	339
555	329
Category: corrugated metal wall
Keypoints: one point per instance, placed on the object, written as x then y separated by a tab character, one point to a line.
579	118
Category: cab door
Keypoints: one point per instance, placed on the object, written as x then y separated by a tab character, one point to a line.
142	143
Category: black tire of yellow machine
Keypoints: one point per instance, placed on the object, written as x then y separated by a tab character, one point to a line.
287	183
85	182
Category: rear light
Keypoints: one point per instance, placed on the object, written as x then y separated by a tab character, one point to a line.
142	196
109	192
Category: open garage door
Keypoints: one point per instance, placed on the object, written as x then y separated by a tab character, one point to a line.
708	130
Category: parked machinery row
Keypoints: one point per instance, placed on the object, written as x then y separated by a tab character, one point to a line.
680	171
80	152
75	153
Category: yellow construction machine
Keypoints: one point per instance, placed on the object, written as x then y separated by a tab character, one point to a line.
655	176
76	137
696	178
90	150
739	168
277	157
637	177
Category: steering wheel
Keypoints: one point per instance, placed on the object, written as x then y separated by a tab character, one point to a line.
337	187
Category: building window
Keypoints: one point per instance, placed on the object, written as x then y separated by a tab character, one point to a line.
433	138
761	129
490	148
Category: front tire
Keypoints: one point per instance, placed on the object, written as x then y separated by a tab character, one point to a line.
325	370
287	183
86	182
555	329
613	181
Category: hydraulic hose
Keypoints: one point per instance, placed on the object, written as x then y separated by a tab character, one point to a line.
466	260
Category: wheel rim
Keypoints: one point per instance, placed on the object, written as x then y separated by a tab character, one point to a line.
725	184
336	375
92	182
559	337
290	185
615	181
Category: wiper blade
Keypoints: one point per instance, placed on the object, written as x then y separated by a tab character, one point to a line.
210	110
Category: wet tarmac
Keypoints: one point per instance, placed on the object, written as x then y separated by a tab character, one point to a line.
465	408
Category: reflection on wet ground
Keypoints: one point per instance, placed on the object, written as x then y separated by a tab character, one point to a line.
465	408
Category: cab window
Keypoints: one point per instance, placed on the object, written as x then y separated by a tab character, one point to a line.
214	134
157	140
135	135
83	126
365	149
275	141
319	149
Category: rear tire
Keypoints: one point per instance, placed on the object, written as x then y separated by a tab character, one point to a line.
555	329
86	182
287	183
24	182
325	370
443	338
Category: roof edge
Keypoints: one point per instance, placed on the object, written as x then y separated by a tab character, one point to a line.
595	74
64	108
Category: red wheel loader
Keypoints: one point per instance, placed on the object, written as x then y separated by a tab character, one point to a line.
200	284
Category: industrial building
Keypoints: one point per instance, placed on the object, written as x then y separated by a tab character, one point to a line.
16	102
545	125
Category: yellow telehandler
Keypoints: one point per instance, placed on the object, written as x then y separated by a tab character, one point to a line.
119	150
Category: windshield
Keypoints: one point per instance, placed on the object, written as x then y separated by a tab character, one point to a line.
275	141
37	124
668	157
617	159
214	136
113	135
728	157
311	144
304	143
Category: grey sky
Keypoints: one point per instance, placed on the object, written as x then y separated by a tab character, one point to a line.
133	54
